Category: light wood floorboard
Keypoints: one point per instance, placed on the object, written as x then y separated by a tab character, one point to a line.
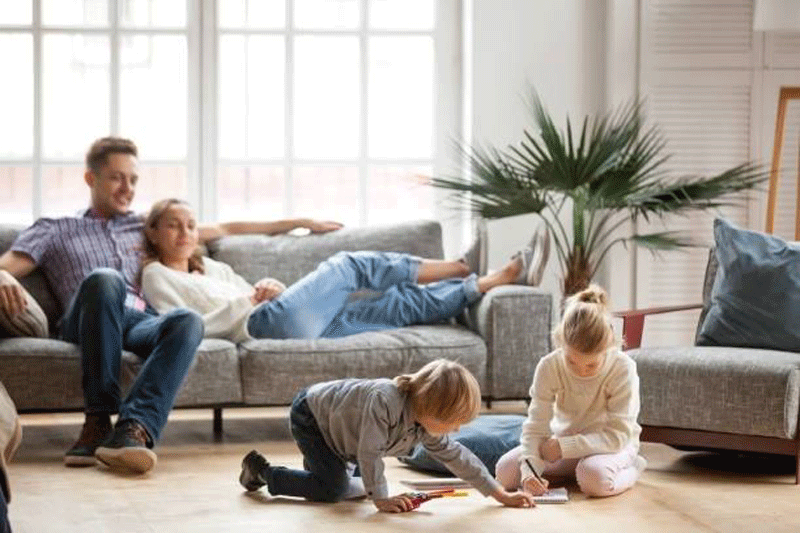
194	488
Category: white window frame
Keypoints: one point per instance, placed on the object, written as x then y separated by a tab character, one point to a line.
201	158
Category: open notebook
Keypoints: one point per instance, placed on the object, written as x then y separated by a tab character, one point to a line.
559	495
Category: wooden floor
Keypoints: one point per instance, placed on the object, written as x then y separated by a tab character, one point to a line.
194	488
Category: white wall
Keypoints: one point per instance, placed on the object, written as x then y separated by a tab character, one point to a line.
558	47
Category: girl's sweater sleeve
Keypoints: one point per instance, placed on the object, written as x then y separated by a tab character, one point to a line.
536	429
622	397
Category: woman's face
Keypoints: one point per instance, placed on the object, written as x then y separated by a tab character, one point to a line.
176	236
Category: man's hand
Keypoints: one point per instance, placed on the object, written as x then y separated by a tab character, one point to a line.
395	504
550	450
533	486
323	226
513	499
265	290
12	297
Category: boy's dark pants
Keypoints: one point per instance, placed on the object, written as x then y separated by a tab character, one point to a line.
325	478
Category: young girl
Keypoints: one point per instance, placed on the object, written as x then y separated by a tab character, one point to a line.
360	421
411	290
583	410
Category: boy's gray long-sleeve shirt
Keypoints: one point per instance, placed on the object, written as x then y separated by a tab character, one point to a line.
364	420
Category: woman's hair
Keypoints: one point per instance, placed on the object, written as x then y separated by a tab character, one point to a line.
150	253
586	324
443	390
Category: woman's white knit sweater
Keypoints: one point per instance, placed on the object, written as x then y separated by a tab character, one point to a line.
220	296
587	415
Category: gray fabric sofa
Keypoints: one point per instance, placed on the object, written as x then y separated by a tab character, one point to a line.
500	339
716	397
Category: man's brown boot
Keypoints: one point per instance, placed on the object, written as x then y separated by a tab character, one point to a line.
95	430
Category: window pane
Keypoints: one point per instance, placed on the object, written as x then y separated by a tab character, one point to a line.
153	94
149	13
75	12
326	97
326	193
252	13
157	182
16	99
252	95
16	195
63	190
251	193
75	82
401	97
401	14
16	12
396	194
327	14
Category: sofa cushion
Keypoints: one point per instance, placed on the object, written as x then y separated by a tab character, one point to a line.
732	390
41	373
273	371
31	322
257	256
755	301
35	283
214	377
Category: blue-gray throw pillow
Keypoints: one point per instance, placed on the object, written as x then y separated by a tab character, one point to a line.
488	437
755	300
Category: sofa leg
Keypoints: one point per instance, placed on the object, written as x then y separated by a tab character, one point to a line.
797	463
218	423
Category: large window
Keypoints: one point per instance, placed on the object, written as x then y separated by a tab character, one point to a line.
248	108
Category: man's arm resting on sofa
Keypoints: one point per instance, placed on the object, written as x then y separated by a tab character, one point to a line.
209	232
14	265
633	321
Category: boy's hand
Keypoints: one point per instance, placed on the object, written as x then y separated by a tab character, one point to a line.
550	450
513	499
395	504
533	486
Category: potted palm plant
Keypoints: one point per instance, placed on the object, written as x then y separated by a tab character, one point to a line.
611	174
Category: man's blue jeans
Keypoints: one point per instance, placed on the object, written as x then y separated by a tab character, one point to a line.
326	477
99	321
320	304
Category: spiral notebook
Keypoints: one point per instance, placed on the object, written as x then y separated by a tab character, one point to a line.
559	495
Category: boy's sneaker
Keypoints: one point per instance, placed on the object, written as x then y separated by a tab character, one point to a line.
95	431
254	469
127	448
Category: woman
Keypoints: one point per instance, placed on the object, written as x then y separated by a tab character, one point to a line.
412	290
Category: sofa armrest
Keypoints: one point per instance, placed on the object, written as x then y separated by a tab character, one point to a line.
633	321
515	321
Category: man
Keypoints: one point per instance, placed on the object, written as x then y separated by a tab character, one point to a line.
92	263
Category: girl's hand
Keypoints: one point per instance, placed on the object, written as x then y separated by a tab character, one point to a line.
533	486
514	499
550	450
395	504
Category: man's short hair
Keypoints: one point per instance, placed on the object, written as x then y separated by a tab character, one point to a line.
97	157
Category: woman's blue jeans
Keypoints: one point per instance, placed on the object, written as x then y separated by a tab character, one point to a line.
320	304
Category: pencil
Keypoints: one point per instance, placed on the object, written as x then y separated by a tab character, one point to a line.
535	474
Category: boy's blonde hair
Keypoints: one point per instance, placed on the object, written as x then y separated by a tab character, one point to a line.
443	390
586	324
